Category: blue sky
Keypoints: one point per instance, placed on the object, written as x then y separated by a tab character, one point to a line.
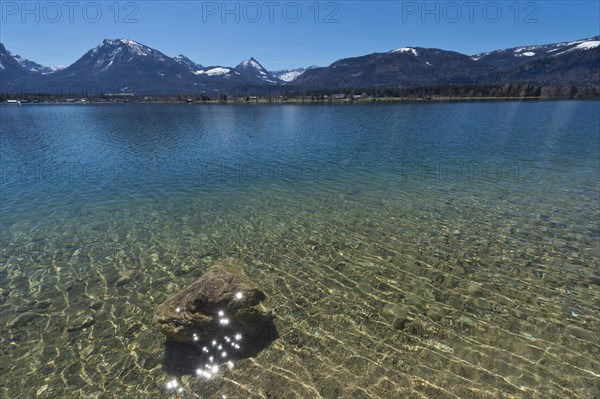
288	34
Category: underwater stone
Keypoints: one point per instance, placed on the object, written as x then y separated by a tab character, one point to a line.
581	333
126	277
223	300
434	314
396	315
474	288
42	305
23	319
593	279
516	313
80	323
415	301
68	286
482	304
465	322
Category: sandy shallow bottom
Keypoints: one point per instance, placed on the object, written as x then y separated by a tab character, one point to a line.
451	294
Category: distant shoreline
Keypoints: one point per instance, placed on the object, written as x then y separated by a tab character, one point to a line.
382	100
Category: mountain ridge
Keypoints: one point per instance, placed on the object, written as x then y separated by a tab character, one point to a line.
127	66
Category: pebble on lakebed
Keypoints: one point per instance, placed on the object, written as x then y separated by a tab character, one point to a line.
223	299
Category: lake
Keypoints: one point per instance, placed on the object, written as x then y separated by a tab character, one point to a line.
427	250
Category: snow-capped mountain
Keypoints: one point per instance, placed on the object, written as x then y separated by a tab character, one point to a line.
183	60
404	66
289	75
249	72
10	69
567	63
123	53
254	70
126	66
32	65
516	56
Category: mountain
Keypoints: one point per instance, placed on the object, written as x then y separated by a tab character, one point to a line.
183	60
289	75
32	65
126	66
577	66
567	63
123	66
516	56
255	72
563	64
249	78
401	67
11	72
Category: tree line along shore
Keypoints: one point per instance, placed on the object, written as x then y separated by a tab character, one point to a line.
381	95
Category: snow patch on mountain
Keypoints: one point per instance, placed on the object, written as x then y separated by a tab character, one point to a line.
588	45
406	50
581	45
213	71
136	48
107	66
525	54
521	49
289	75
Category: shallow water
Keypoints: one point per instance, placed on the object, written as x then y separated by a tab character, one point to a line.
476	224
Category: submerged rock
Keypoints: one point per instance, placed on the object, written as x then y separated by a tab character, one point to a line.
24	318
42	305
80	323
223	300
396	315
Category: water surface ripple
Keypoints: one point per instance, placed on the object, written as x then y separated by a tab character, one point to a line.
408	250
